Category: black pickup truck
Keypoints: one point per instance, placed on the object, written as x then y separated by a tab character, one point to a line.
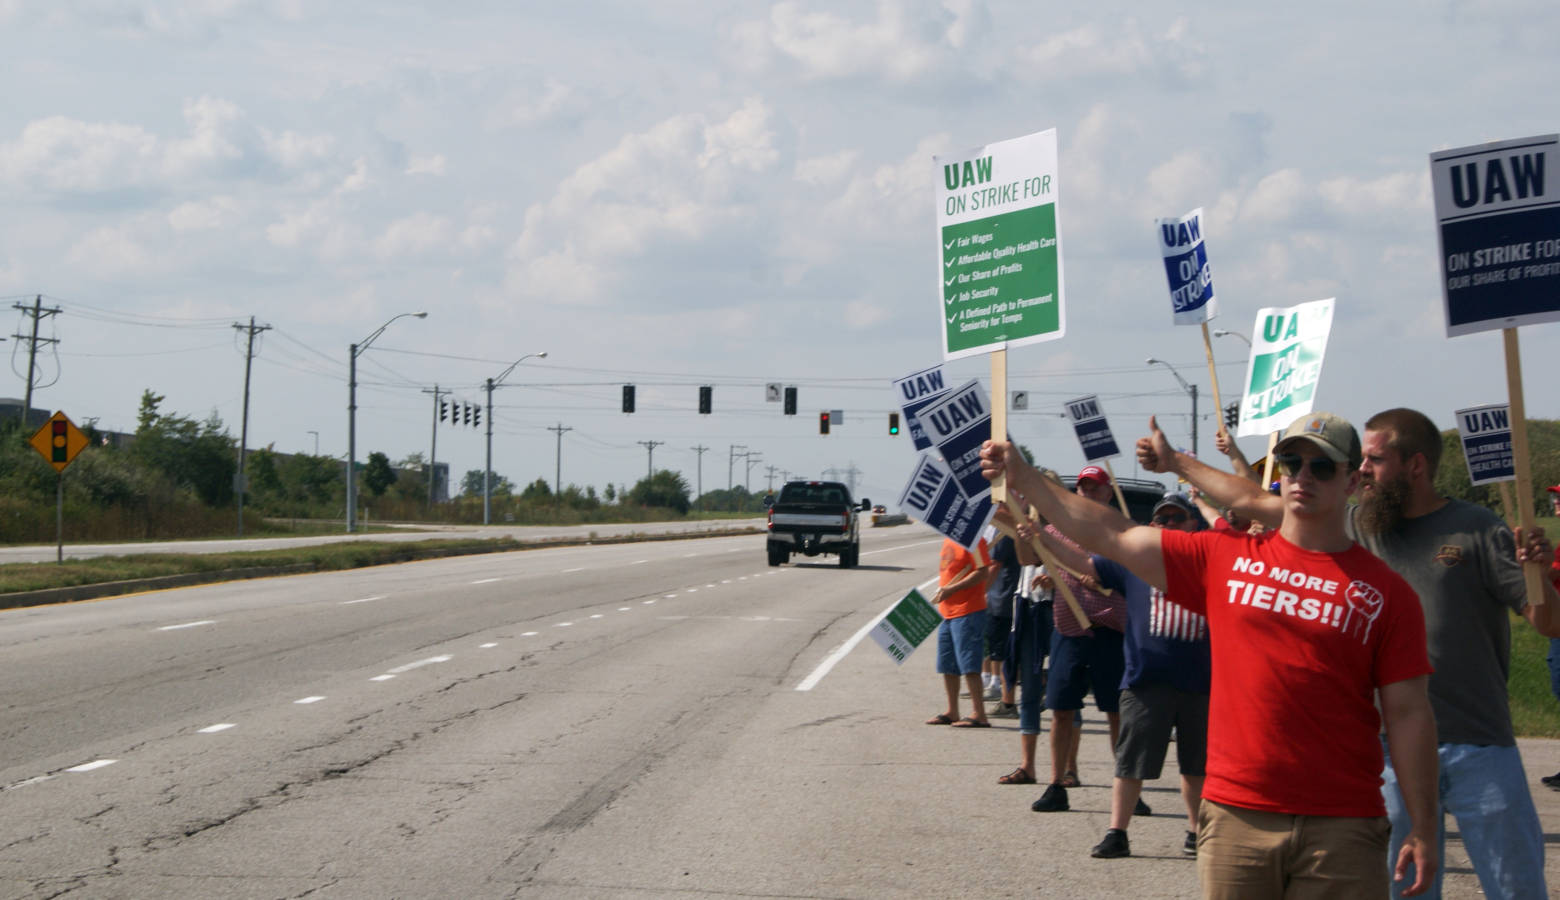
813	517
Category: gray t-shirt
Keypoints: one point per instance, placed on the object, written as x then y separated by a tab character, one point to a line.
1461	560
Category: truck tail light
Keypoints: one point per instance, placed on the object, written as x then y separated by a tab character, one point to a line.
771	525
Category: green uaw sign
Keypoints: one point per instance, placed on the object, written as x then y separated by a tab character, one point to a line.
1287	345
910	622
999	246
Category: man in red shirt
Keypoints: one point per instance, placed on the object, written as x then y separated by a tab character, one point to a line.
1307	630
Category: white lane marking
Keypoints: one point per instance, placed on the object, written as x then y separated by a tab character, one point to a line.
725	581
575	569
381	678
530	634
902	547
844	649
563	624
648	602
95	764
488	646
486	580
188	625
305	701
624	608
669	597
639	562
419	664
213	729
742	578
712	584
689	555
595	615
363	600
690	590
36	779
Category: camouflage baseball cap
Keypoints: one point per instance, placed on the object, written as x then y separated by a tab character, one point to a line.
1333	435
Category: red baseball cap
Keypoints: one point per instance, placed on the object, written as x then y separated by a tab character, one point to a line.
1094	473
1554	490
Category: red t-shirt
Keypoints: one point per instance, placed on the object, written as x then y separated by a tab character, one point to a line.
954	563
1301	641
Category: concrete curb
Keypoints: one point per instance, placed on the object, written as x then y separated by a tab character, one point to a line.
76	593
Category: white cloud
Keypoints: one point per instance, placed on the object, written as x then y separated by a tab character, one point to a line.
426	165
901	43
110	253
202	215
826	170
1121	49
413	234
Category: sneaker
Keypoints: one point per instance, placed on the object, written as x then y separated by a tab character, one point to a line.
1053	800
1190	846
1005	711
1114	846
1141	809
992	693
1551	781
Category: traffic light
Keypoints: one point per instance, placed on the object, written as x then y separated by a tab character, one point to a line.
57	444
893	423
467	414
790	401
706	399
823	422
1232	414
628	398
476	416
444	410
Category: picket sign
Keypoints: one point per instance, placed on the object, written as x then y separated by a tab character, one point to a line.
1213	375
1495	221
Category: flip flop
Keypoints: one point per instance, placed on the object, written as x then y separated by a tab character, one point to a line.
940	719
1017	776
968	722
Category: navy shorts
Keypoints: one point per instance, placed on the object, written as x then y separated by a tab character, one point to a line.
1095	660
997	635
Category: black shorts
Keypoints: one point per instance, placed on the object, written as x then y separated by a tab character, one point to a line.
997	628
1148	712
1079	664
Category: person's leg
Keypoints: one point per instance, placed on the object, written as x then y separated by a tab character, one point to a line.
1113	721
1191	792
1240	852
951	688
948	668
1191	749
1399	822
1337	856
1027	744
977	702
1124	794
1061	742
969	640
1485	790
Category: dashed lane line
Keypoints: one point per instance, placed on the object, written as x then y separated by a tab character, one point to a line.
188	625
220	726
95	764
486	580
362	600
305	701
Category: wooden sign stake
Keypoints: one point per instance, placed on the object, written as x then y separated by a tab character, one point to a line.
1213	375
1120	497
999	429
1532	573
1267	467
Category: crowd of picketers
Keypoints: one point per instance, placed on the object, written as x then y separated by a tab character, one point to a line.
1332	673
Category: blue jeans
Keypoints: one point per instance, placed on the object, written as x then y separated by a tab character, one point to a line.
1485	790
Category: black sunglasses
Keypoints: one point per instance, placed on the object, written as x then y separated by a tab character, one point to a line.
1322	467
1174	519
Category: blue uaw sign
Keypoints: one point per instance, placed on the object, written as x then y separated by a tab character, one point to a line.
1186	265
916	392
957	425
1498	217
1486	440
1094	435
932	496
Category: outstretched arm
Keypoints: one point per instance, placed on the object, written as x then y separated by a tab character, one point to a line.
1227	490
1099	528
1405	709
1227	445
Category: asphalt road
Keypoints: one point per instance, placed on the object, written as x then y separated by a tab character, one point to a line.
48	552
607	721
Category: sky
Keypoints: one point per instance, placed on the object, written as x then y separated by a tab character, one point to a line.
680	193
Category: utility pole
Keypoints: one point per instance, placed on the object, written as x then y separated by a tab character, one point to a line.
650	462
37	312
700	450
731	458
243	441
850	476
433	442
316	441
558	429
752	459
772	470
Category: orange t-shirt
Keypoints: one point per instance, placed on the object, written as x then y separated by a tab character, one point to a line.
954	563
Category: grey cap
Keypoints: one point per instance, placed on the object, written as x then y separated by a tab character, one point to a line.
1333	435
1179	501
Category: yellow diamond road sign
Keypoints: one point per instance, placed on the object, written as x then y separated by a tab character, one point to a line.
58	441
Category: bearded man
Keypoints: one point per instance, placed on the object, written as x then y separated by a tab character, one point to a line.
1466	567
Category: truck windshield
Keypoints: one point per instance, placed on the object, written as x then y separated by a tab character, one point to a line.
812	493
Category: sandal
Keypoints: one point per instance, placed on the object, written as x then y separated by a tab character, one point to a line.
968	722
1070	779
940	719
1019	775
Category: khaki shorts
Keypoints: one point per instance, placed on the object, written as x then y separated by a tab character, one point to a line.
1244	853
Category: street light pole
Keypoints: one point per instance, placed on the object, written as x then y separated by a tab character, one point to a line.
1224	332
1190	389
487	470
353	352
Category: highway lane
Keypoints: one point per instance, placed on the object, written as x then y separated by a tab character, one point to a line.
439	728
47	552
